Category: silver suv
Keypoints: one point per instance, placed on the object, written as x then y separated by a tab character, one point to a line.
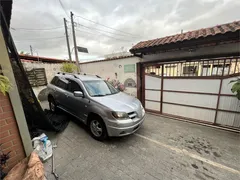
104	109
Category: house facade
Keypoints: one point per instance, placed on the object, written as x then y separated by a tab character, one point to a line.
186	76
121	68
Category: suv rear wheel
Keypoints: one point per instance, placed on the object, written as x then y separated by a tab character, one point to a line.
98	129
52	104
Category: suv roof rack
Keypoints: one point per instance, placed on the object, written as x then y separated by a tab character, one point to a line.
85	74
74	74
64	73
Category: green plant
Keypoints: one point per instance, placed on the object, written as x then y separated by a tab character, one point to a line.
4	157
5	84
236	87
24	53
68	67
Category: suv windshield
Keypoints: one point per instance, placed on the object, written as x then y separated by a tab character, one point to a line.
99	88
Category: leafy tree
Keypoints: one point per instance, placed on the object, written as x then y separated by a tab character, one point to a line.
236	87
69	67
24	53
5	84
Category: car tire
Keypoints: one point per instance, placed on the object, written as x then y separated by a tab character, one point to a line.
98	129
52	105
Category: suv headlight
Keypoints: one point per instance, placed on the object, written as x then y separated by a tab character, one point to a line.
143	110
120	115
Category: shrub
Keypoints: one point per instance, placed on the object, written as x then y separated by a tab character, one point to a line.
5	84
69	67
4	157
236	87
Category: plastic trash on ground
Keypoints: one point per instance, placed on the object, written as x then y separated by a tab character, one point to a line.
42	146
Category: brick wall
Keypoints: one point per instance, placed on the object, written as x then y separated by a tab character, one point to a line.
9	133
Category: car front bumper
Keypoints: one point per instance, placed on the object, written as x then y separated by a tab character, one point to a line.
124	127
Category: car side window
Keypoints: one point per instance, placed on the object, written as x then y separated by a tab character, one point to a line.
62	84
73	86
54	80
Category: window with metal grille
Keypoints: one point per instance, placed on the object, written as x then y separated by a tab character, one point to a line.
189	69
202	67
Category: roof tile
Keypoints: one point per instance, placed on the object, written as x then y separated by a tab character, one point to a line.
211	31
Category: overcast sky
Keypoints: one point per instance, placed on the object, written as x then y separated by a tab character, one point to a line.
135	20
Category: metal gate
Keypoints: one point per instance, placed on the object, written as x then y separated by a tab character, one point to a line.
197	90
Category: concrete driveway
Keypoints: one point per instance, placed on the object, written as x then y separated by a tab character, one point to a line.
161	149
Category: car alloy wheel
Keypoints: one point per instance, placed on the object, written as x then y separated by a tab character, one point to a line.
96	128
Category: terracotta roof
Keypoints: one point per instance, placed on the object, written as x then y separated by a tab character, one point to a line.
108	59
29	58
201	33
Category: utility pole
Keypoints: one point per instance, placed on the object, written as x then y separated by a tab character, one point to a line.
66	32
31	50
75	43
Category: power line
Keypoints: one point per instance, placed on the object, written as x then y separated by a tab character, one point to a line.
99	30
60	2
85	32
103	35
29	29
106	26
40	39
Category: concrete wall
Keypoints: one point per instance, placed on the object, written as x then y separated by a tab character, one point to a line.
50	69
105	69
108	68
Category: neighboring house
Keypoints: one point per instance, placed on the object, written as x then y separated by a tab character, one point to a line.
187	75
14	134
121	68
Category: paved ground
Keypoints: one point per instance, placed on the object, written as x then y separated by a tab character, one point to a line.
161	149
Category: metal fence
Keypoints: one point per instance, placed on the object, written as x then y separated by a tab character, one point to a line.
196	90
202	67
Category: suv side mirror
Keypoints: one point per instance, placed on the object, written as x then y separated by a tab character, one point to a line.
78	93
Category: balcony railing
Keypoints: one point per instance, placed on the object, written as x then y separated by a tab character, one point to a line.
203	67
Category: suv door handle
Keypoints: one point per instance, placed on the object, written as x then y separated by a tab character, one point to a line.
54	90
66	95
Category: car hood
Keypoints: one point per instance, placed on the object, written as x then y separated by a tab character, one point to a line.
119	102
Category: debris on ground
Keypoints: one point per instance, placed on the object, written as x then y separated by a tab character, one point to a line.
42	146
29	168
56	122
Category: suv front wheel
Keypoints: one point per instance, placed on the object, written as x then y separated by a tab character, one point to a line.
98	129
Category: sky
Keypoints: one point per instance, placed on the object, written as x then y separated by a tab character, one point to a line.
112	26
